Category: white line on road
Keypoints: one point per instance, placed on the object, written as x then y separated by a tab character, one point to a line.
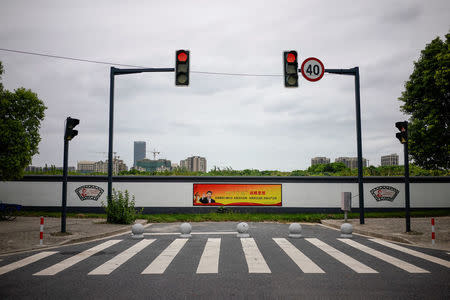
25	261
436	260
342	257
209	262
194	233
254	258
387	258
55	269
160	264
302	261
121	258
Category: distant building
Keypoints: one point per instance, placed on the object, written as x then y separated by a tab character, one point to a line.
389	160
175	166
194	164
118	166
101	166
151	165
351	162
33	169
139	151
86	166
319	160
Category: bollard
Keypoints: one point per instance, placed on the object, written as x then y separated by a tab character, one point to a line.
137	231
295	231
41	232
242	229
185	229
433	235
346	230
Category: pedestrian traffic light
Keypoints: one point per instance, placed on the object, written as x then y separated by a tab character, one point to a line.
182	67
70	133
403	134
290	68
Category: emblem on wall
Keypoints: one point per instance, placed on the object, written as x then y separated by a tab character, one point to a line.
89	192
384	193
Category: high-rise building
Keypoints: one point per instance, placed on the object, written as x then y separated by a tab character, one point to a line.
389	160
351	162
319	160
194	164
139	151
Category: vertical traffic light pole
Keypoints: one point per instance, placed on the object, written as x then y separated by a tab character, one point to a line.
111	130
402	136
114	72
69	134
407	216
355	72
64	186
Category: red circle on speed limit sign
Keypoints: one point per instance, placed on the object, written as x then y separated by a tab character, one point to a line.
312	69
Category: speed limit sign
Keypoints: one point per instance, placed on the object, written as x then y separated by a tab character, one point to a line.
312	69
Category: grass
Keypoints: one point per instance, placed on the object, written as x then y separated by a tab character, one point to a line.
248	217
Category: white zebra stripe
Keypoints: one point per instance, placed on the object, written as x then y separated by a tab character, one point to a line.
387	258
55	269
160	264
302	261
121	258
342	257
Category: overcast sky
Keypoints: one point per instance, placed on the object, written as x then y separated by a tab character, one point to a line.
236	121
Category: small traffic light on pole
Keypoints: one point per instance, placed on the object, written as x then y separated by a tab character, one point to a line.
403	138
403	134
182	67
70	133
290	68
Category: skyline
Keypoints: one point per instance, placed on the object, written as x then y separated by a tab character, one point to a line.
253	122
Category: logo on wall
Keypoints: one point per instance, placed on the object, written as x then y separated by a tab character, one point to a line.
384	193
89	192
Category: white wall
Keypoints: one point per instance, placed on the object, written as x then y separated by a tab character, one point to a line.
167	194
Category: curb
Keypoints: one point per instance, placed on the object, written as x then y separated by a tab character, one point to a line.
371	233
75	240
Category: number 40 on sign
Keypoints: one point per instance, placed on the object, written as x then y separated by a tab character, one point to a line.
312	69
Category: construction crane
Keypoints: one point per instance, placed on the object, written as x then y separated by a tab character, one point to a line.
154	153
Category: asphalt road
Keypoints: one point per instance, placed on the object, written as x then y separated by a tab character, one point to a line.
269	265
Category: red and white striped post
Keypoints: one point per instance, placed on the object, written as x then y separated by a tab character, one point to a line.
433	235
41	233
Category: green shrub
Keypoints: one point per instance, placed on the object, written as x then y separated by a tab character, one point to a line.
120	210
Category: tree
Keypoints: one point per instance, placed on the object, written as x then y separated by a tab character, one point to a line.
426	100
21	113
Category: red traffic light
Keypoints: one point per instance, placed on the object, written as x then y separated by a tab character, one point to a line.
402	126
182	56
291	58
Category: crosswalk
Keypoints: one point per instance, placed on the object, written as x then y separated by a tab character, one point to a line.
256	257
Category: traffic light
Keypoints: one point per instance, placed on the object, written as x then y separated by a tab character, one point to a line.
182	67
290	68
70	133
403	134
